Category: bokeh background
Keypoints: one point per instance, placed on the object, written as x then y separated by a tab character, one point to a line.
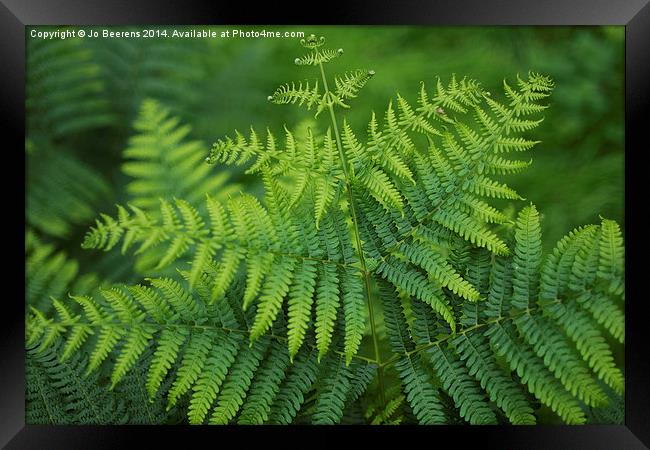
84	94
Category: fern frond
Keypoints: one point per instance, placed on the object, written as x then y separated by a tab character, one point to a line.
539	380
66	93
456	380
527	258
135	70
264	318
456	96
439	270
327	304
247	233
59	394
506	144
51	273
337	383
324	194
270	301
540	325
502	389
610	264
295	386
169	345
349	85
207	356
301	298
561	358
63	191
163	163
265	387
414	283
591	345
420	392
315	58
206	389
388	413
353	308
303	93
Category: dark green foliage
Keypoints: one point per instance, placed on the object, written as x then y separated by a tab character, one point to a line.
65	92
138	69
561	362
63	190
66	98
59	394
206	353
49	273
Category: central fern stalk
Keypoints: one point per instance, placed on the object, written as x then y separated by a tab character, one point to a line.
357	238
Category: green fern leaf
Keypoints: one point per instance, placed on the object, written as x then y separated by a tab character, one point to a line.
237	383
262	311
300	303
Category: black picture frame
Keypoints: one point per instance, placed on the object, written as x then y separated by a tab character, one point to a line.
16	14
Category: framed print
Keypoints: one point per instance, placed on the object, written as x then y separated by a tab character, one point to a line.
413	222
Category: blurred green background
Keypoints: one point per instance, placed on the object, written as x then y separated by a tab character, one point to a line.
83	95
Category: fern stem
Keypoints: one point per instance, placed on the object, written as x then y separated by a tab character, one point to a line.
357	238
234	242
524	312
123	326
46	403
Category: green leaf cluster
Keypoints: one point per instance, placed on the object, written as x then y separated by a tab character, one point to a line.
380	277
